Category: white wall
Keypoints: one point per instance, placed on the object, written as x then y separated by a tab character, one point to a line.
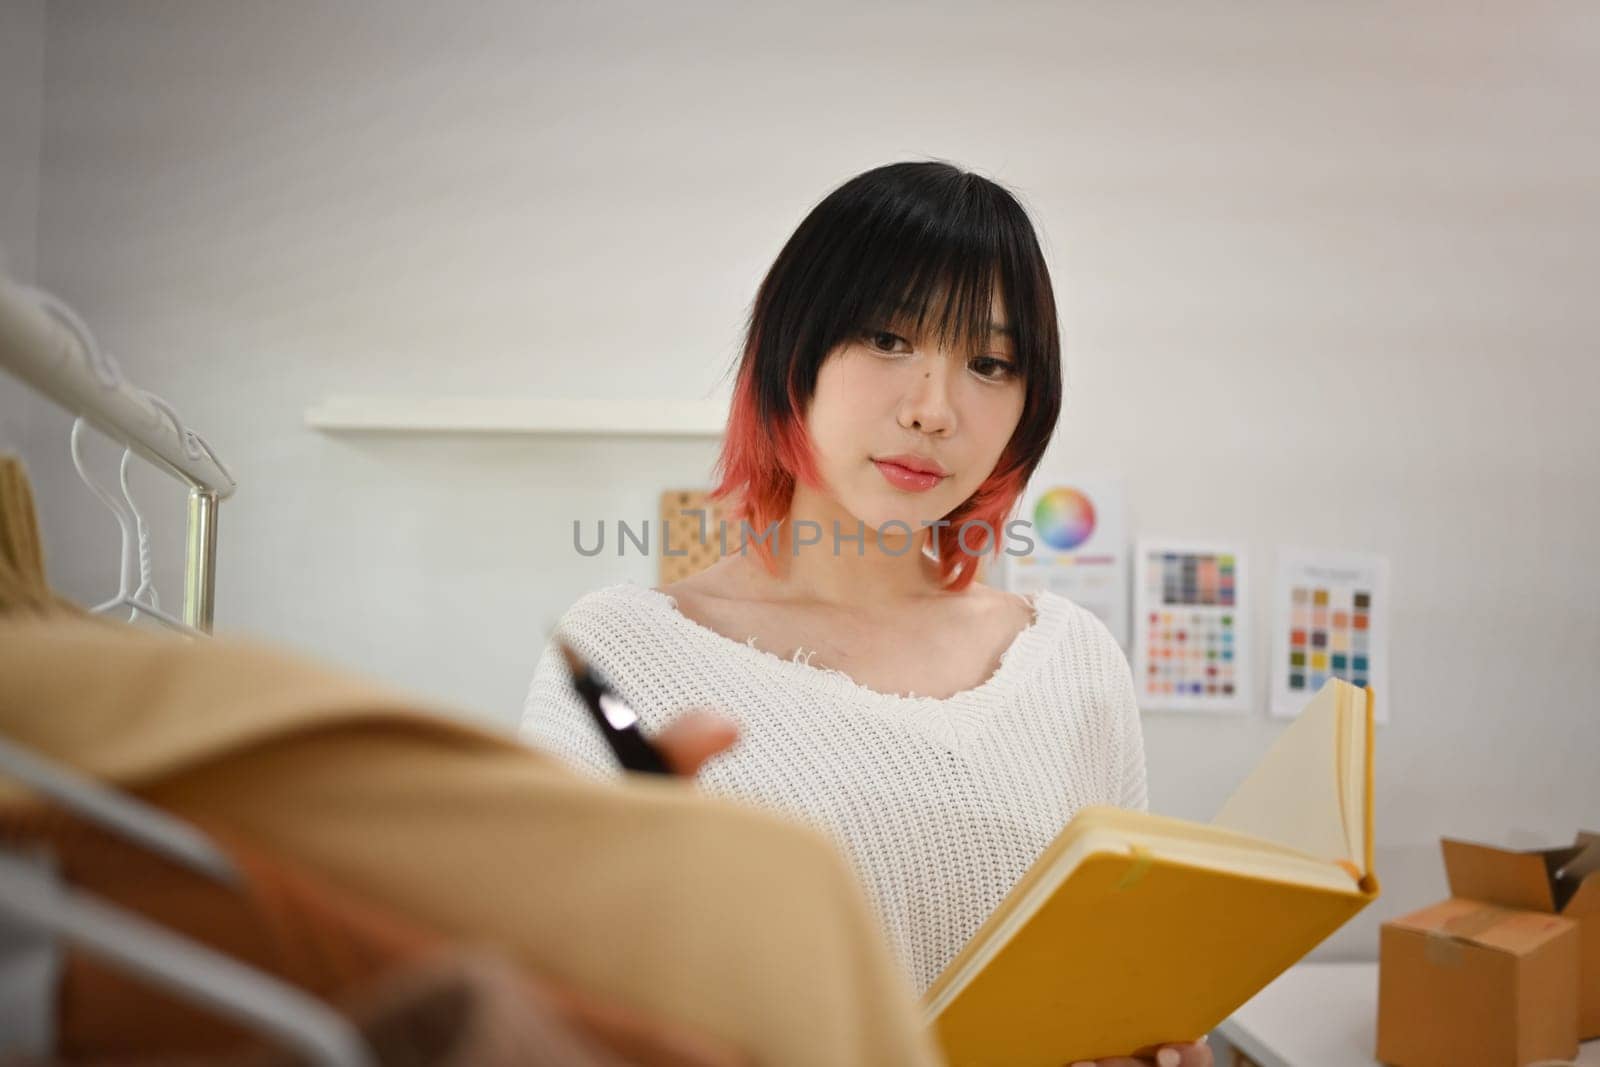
1327	278
21	110
21	113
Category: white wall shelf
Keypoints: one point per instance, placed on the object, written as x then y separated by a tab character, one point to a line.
518	415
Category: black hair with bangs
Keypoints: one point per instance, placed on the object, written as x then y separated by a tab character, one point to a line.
924	239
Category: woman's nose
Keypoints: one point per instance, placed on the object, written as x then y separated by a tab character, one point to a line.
927	405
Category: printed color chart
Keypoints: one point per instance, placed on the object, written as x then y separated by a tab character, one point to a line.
1192	639
1078	531
1330	624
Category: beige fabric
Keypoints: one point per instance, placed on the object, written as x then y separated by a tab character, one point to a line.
19	530
727	919
22	578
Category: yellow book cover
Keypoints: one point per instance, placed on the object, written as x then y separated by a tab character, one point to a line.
1132	930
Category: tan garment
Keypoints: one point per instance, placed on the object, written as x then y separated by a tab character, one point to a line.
22	579
732	921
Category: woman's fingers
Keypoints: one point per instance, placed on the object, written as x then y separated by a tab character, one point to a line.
1189	1054
1192	1054
694	737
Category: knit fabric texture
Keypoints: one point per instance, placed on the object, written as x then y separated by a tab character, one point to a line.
940	804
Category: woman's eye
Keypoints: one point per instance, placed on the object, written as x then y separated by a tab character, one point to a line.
994	370
882	340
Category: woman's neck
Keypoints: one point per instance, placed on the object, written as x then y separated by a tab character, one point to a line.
877	571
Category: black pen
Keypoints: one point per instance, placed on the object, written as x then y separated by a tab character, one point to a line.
616	720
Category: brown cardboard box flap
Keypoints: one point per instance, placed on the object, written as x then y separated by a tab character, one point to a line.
1586	901
1502	876
1584	908
1510	930
1586	863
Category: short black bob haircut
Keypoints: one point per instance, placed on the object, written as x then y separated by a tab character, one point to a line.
920	240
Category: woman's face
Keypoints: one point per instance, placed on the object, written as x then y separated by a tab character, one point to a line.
888	394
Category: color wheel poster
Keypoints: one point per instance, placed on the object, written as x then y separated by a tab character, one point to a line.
1191	625
1079	546
1331	620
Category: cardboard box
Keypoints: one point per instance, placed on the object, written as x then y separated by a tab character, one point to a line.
1467	984
1556	881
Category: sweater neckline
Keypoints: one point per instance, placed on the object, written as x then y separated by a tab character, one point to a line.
1025	651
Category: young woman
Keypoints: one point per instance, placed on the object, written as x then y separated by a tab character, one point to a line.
900	381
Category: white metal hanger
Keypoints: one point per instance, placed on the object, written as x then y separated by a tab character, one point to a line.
118	812
145	949
146	589
127	521
200	974
124	520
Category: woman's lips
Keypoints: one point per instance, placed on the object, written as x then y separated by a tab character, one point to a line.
907	479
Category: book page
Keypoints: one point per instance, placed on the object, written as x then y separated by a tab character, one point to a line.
1297	794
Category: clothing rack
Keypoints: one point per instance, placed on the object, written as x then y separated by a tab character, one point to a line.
54	359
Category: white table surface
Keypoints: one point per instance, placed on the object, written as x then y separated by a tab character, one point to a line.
1321	1015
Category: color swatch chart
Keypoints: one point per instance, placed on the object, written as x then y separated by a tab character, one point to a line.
1329	637
1329	622
1186	578
1191	651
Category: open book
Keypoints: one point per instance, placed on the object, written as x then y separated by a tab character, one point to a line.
1132	929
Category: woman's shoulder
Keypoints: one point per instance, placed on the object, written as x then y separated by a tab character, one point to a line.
1075	613
1075	628
621	607
625	630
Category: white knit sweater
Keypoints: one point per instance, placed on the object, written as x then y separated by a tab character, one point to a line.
940	804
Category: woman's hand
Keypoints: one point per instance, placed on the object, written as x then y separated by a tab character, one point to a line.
1195	1054
694	737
